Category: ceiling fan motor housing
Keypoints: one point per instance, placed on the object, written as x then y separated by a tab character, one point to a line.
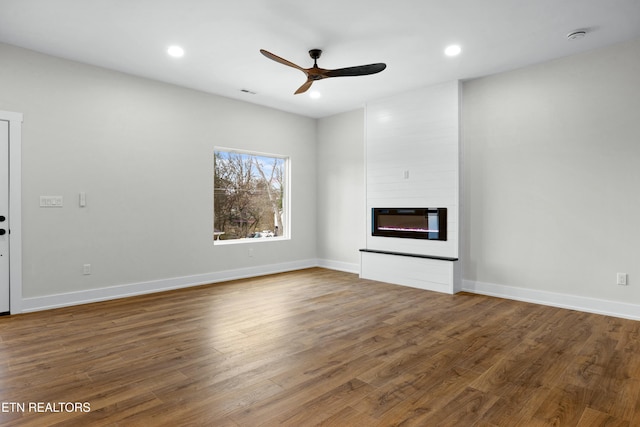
315	53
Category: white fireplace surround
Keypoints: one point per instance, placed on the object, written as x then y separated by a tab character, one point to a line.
412	144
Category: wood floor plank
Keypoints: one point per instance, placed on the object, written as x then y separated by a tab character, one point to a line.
419	408
346	417
324	406
563	406
593	418
319	347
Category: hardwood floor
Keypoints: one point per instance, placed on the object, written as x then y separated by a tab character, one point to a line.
318	347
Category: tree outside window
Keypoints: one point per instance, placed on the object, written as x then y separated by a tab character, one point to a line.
249	200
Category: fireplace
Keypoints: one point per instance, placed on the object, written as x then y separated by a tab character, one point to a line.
410	223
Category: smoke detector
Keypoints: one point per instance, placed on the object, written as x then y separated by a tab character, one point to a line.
575	35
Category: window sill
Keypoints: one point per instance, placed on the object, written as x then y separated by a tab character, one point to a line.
249	240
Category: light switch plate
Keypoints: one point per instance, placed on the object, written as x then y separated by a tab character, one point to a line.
51	201
622	279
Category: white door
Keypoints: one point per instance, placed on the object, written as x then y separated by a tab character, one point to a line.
4	216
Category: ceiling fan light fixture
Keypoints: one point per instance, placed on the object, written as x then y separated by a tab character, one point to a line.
314	94
175	51
453	50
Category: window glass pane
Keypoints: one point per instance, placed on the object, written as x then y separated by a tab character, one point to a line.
249	200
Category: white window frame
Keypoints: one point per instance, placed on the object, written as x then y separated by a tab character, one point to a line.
286	199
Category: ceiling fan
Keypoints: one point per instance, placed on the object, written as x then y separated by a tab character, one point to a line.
316	73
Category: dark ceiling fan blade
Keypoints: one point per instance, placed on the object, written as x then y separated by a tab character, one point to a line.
360	70
304	87
280	60
316	73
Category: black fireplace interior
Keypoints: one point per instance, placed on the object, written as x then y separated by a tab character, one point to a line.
410	223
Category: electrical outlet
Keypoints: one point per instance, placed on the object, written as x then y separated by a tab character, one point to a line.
622	279
86	269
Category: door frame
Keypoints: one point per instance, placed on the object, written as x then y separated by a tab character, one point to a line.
15	209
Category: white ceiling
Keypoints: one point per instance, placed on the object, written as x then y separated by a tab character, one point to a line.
222	41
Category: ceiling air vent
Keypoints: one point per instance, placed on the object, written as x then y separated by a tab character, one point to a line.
575	35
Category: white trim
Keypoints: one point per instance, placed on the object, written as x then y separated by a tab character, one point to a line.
15	209
250	240
572	302
131	289
286	202
347	267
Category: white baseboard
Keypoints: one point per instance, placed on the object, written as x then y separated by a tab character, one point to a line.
339	265
131	289
572	302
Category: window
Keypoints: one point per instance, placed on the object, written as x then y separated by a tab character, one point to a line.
250	196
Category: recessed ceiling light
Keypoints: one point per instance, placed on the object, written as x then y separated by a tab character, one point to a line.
175	51
315	94
453	50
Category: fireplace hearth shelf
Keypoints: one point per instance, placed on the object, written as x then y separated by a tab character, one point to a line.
441	258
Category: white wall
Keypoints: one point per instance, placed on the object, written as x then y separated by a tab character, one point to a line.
546	148
142	151
552	185
341	191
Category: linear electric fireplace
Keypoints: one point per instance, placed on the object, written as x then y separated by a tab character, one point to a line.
410	223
